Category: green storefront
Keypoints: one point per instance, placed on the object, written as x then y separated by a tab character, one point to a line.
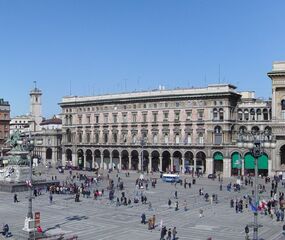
262	163
236	163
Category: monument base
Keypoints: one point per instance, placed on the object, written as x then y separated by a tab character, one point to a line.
22	187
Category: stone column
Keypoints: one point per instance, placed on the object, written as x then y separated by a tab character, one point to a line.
149	164
242	167
102	161
130	162
183	165
209	165
140	162
160	163
171	163
270	173
63	159
195	164
120	161
74	159
84	156
111	161
226	167
93	160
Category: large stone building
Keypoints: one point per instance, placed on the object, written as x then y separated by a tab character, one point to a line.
4	124
180	129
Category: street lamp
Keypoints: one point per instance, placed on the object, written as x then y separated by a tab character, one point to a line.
143	143
28	145
256	141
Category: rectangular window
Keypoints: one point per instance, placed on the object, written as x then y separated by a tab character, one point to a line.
200	115
79	120
165	116
88	137
115	118
88	119
106	118
105	137
124	117
188	115
134	117
144	118
115	137
177	116
96	138
154	117
80	137
97	119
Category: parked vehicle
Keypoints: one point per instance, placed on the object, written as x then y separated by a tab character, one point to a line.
212	176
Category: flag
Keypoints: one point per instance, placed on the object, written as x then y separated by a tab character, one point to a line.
253	207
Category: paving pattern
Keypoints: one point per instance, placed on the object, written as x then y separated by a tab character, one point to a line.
102	220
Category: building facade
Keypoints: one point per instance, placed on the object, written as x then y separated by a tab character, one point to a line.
4	124
178	130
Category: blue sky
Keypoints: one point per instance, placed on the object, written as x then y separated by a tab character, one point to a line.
112	46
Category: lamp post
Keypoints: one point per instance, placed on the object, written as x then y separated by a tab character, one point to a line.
143	142
28	146
256	141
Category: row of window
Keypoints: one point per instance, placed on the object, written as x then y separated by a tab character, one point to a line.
143	106
134	117
254	114
134	139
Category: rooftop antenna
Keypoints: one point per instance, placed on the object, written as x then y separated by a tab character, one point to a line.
69	87
35	83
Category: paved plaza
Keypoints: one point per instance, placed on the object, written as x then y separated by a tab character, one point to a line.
102	220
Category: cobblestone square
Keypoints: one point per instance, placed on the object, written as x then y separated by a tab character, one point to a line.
100	219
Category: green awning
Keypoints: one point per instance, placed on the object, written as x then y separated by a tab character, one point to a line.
236	160
263	162
218	156
248	161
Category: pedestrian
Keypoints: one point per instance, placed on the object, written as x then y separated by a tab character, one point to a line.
50	198
143	218
201	213
169	234
163	233
174	232
16	198
185	205
175	194
176	206
169	203
153	221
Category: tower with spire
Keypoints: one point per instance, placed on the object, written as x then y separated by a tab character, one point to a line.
35	108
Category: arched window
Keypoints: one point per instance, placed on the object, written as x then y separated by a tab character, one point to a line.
265	114
283	109
252	114
201	138
221	114
258	113
255	129
240	115
189	140
177	138
218	135
155	138
134	138
166	138
246	115
215	114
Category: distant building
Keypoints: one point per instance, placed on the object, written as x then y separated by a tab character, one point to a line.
30	122
178	129
46	132
4	124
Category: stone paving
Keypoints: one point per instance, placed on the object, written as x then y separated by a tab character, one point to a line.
102	220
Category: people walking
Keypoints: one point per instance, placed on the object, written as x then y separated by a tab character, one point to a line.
174	232
201	213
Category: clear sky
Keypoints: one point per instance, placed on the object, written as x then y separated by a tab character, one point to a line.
107	46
